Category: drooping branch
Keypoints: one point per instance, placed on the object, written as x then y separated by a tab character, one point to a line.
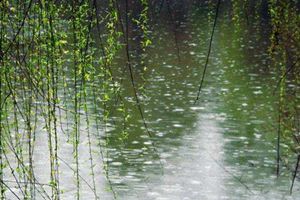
209	50
295	174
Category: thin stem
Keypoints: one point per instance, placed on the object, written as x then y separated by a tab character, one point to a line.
209	50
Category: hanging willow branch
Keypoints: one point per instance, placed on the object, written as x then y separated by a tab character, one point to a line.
18	31
126	39
209	50
295	174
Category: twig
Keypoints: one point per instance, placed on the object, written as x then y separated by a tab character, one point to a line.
209	50
285	74
295	174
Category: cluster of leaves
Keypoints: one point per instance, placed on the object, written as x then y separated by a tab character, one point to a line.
47	49
284	49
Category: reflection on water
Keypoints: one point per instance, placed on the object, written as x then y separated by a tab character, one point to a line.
220	148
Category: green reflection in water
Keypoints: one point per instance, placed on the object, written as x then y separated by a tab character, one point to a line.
237	101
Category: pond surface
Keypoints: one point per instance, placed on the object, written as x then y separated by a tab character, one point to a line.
221	147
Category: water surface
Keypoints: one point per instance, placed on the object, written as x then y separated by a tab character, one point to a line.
221	147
